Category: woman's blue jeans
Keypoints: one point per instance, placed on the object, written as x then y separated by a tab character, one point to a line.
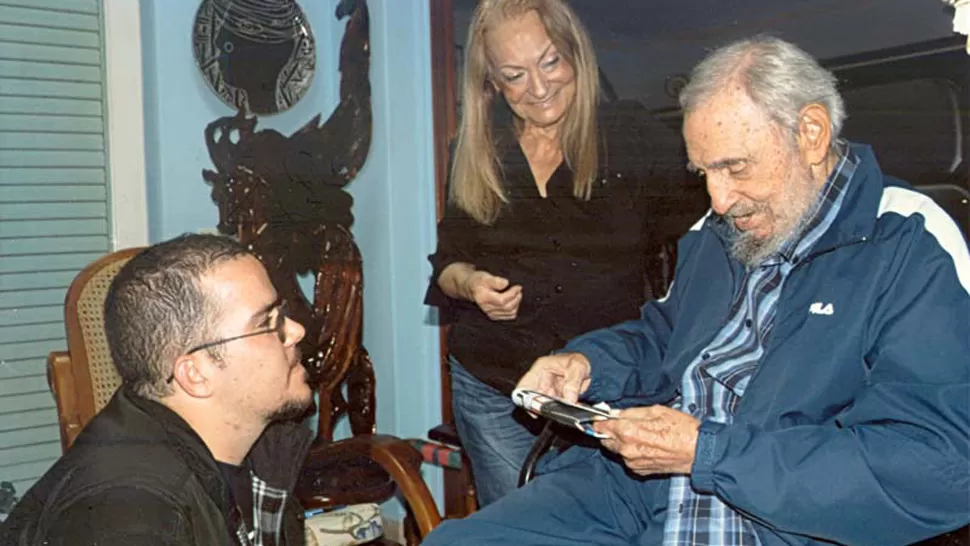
493	434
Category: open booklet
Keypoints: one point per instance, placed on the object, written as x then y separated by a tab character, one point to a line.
575	415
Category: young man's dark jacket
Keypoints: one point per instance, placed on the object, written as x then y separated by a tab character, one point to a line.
138	474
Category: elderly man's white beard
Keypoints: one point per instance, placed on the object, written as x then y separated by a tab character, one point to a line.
791	220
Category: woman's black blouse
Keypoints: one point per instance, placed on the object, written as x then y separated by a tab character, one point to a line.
581	264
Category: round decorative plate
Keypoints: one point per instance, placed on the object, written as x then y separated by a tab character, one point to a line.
258	56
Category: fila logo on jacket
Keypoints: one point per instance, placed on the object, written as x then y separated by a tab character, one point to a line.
819	308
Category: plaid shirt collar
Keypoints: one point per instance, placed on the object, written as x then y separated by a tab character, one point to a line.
268	506
833	189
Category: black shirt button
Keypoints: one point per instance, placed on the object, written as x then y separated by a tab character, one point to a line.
747	323
559	289
556	244
692	407
706	356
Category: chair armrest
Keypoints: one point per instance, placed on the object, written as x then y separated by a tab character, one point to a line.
446	433
398	458
60	379
438	454
395	457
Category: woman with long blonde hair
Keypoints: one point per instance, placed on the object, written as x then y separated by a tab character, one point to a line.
544	237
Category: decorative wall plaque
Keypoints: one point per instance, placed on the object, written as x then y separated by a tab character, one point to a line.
258	56
283	197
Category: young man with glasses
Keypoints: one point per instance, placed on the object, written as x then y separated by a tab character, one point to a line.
198	446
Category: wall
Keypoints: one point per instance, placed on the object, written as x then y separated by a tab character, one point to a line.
394	193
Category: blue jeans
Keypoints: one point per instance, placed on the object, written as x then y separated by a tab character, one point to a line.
493	434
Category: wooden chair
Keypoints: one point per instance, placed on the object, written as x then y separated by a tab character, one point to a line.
83	380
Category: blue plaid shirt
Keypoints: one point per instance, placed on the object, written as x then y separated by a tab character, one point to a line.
714	383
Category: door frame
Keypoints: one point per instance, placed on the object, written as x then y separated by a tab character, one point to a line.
125	123
445	123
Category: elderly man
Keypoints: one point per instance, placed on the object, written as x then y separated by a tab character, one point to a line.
805	380
196	447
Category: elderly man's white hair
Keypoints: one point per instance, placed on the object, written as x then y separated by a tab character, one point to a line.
778	76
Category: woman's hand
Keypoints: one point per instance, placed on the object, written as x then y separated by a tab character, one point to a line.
493	295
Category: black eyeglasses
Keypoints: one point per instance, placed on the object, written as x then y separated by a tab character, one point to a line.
282	312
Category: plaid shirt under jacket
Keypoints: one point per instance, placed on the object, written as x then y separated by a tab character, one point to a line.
268	505
714	383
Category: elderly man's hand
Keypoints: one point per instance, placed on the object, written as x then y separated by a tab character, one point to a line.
652	440
564	375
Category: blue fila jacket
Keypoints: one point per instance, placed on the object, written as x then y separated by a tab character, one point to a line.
855	427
